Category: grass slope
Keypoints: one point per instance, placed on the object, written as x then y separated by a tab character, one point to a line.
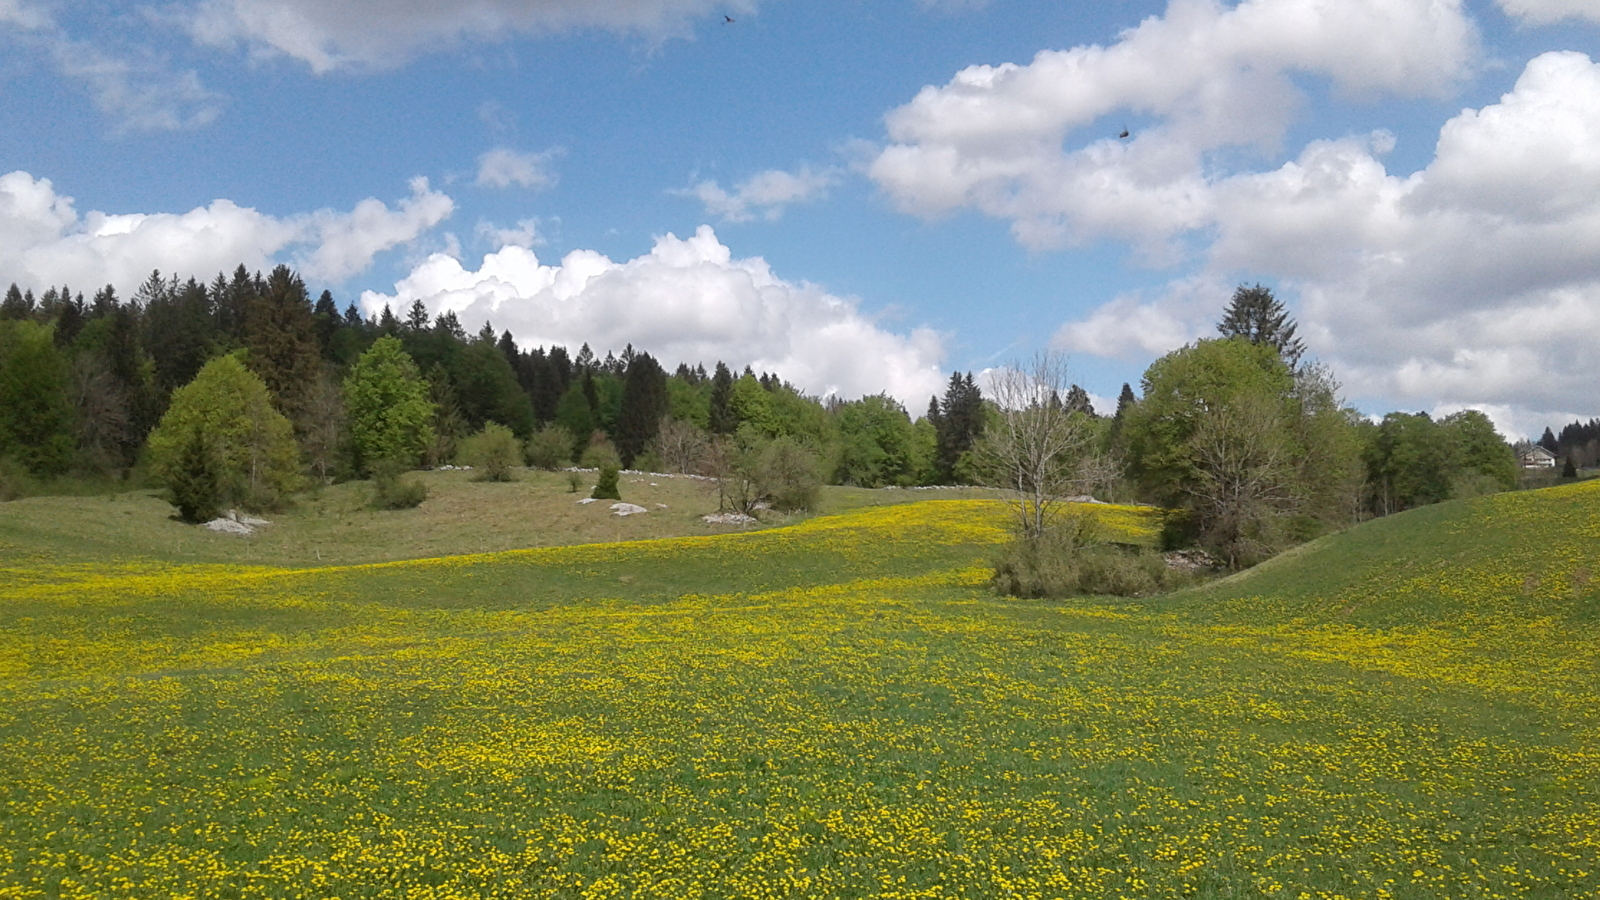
836	709
333	526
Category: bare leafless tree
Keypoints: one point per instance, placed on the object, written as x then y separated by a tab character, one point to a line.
1035	446
680	445
324	424
104	418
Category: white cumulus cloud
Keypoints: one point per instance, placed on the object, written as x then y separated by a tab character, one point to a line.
686	300
335	34
764	194
1011	140
1473	282
44	240
503	167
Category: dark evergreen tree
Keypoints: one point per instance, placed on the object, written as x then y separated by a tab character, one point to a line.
1078	401
644	402
1548	441
387	323
232	304
13	306
959	426
1255	315
281	335
326	323
179	330
70	321
488	389
723	418
417	317
1125	401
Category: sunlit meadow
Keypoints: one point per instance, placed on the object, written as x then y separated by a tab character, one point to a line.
838	709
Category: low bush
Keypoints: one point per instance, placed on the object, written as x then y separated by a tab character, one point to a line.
549	448
1066	561
600	454
390	491
492	452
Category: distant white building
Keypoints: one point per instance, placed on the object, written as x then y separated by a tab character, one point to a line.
1537	457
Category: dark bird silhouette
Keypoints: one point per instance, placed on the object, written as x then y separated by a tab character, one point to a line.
1124	134
727	20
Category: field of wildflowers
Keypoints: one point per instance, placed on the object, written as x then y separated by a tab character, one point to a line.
839	709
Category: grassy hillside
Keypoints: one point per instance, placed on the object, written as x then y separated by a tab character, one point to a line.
333	526
836	709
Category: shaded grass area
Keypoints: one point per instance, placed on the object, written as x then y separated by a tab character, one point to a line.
837	709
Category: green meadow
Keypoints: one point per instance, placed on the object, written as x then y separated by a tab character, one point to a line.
836	708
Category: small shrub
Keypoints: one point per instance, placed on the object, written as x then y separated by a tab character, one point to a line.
1066	561
606	487
549	448
600	454
574	481
492	452
390	491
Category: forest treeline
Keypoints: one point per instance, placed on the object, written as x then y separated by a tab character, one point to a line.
1239	431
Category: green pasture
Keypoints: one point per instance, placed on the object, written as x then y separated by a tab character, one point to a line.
838	708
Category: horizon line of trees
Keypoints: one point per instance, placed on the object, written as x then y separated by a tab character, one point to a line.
1239	431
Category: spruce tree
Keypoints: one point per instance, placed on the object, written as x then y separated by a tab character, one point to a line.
723	419
1255	315
281	335
1078	401
644	402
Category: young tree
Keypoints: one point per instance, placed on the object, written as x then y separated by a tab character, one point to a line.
1035	447
1255	315
387	406
222	443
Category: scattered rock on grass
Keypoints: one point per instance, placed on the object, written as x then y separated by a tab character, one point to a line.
728	518
627	509
235	522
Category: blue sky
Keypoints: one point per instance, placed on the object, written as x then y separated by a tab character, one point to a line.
860	196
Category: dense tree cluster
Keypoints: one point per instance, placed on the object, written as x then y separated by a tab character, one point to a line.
84	382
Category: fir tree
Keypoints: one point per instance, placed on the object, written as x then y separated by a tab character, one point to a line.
1255	315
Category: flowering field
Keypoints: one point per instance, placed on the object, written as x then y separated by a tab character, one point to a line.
838	709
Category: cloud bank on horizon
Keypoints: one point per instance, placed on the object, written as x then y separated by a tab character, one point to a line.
687	300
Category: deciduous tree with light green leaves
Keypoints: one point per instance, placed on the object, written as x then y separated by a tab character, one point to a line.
388	407
221	443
